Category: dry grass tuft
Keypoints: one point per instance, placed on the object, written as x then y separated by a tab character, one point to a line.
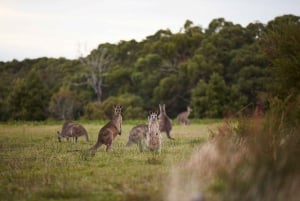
253	158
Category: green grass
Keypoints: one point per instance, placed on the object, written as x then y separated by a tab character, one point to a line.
35	166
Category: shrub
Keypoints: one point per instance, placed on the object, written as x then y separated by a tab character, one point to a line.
249	159
93	111
132	107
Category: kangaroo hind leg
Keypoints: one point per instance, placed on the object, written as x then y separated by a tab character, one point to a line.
169	136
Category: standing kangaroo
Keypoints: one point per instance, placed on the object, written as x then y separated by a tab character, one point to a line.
165	123
153	137
108	132
137	134
73	130
182	117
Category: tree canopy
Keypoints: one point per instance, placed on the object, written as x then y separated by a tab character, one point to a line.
217	71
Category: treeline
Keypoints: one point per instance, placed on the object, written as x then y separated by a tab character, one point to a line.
218	71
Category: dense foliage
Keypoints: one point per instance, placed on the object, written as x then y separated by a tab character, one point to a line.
218	71
256	158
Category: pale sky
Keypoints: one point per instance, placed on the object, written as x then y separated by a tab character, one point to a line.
66	28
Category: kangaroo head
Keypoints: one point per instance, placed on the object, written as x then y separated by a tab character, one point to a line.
189	109
59	136
117	109
117	119
153	116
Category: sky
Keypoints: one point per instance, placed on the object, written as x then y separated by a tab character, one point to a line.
70	28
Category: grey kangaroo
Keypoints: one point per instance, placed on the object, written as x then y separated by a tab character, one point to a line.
73	130
165	123
182	117
153	137
137	135
108	132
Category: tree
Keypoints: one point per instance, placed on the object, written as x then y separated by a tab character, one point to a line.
173	91
64	105
29	98
118	81
173	68
216	25
125	52
281	44
209	99
146	77
97	63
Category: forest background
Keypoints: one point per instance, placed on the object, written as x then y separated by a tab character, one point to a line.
218	71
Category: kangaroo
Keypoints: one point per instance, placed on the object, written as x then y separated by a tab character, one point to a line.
137	134
153	136
61	134
182	117
165	123
70	129
108	132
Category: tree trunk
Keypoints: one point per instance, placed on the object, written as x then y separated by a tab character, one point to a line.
99	90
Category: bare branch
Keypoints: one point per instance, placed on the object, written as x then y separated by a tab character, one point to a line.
97	64
79	84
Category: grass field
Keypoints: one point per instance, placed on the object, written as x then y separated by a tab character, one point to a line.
35	166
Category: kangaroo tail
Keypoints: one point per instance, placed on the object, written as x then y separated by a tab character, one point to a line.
86	137
169	136
96	146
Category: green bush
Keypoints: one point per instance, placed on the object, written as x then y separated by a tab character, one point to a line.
93	111
132	107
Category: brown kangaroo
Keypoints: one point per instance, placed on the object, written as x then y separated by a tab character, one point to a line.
137	134
153	136
165	123
71	129
108	132
182	117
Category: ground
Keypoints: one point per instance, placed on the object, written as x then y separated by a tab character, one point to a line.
35	166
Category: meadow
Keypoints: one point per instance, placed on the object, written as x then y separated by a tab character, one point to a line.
35	166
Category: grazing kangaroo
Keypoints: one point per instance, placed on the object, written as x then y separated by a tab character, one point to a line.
73	130
108	132
137	134
153	137
182	117
165	123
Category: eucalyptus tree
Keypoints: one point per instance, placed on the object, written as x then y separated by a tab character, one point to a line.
29	98
97	64
281	45
64	104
